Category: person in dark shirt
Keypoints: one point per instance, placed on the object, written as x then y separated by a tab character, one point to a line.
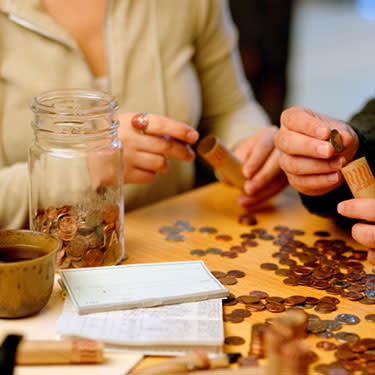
313	168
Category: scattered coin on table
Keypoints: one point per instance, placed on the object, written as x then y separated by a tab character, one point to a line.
208	230
370	318
347	319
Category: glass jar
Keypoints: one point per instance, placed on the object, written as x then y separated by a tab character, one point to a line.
75	168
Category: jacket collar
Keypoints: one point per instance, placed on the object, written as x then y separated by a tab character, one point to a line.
32	15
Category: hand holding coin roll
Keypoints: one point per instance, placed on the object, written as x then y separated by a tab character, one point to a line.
221	158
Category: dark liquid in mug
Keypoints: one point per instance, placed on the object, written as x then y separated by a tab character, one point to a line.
18	253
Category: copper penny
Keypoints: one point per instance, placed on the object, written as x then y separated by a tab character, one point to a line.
243	313
229	254
330	300
258	293
238	249
352	296
336	140
228	280
255	307
77	246
269	266
111	213
275	307
248	361
248	299
93	258
219	274
236	273
224	237
312	300
274	299
249	243
294	300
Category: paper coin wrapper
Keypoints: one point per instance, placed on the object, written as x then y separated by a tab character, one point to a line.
59	352
221	158
360	179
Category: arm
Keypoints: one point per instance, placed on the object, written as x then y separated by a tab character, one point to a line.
229	109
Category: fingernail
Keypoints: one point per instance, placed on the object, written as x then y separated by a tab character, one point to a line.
249	187
246	172
191	154
321	132
323	149
333	177
337	163
192	135
340	208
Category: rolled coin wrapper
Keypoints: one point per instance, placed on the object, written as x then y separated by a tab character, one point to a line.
59	352
222	159
360	179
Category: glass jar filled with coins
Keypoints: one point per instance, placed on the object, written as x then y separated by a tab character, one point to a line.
75	169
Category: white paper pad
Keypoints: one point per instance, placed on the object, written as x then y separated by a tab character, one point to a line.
140	285
158	330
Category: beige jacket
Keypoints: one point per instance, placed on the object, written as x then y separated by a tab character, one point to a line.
172	57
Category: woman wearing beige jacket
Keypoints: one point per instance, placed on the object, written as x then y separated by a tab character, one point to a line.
172	59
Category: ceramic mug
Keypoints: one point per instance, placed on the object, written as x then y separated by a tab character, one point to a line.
27	271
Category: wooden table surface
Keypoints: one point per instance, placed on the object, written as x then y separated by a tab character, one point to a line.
216	205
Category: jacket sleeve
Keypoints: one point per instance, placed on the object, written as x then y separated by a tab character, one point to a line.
229	109
326	205
14	196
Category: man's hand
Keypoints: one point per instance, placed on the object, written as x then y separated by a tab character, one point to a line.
364	233
306	156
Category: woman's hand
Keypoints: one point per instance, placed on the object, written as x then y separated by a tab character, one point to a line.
260	158
146	154
306	156
364	233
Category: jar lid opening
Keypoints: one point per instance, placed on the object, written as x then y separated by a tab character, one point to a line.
74	103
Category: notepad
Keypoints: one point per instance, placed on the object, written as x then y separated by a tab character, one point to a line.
140	285
163	330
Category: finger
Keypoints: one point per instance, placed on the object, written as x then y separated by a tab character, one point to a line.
363	209
315	184
163	146
269	171
304	121
261	151
364	234
138	176
299	144
150	162
371	256
264	194
300	165
160	125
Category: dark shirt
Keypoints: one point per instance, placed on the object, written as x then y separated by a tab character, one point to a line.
326	205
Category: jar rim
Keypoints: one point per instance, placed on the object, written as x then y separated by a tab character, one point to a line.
50	103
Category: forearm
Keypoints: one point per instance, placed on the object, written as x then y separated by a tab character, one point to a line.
14	196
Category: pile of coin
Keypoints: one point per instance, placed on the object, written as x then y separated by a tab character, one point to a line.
358	355
91	233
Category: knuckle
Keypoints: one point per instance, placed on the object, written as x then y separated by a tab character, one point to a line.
159	162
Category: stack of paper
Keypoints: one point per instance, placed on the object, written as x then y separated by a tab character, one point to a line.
108	294
165	330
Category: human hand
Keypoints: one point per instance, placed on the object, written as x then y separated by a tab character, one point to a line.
260	158
144	155
364	233
306	156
